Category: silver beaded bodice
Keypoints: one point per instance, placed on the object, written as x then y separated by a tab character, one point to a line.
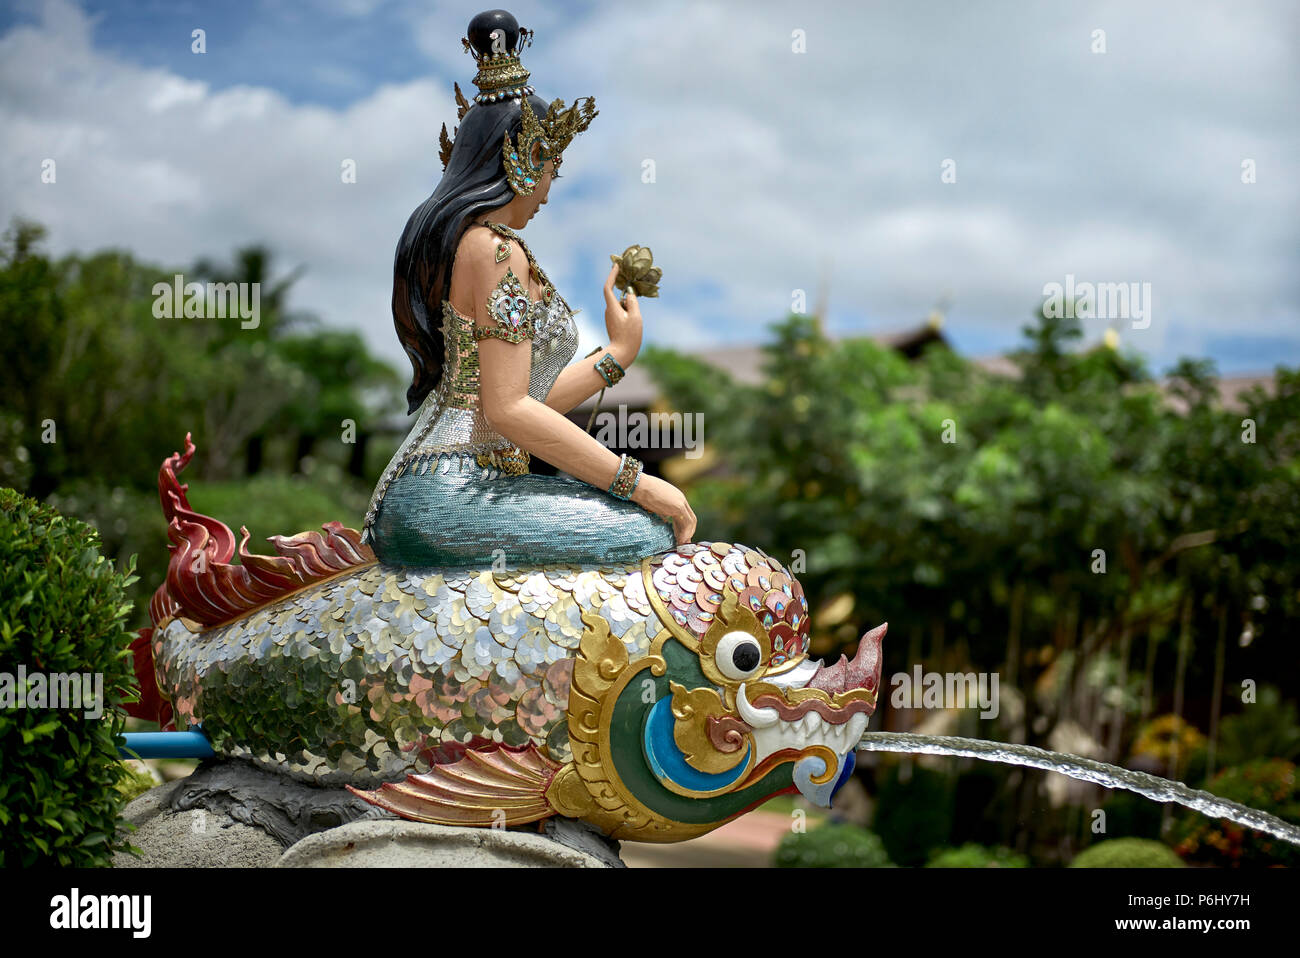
451	420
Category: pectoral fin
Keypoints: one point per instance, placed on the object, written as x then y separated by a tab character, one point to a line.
497	787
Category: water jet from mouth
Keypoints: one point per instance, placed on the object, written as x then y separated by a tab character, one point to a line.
1085	770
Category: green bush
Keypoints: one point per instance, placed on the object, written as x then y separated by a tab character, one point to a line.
914	814
1269	785
1135	816
1127	853
971	855
832	846
280	505
134	783
129	522
1267	728
61	611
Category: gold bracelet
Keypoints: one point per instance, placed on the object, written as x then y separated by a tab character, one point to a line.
626	478
609	369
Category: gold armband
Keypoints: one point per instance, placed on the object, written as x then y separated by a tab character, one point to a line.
514	313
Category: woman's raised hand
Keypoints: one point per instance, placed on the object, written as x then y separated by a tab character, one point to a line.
622	320
664	499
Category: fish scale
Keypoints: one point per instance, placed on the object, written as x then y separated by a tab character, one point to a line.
498	637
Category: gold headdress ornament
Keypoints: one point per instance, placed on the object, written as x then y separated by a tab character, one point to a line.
552	133
494	40
445	141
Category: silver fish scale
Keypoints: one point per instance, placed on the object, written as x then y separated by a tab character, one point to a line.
359	679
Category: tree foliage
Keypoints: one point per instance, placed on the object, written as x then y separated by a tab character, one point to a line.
1111	546
100	389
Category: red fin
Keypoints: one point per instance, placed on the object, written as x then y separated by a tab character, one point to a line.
152	706
202	582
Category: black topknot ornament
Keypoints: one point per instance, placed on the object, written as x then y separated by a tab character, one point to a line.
481	33
495	40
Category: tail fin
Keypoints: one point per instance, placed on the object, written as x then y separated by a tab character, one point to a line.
204	586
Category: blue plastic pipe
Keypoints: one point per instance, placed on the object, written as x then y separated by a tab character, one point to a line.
192	744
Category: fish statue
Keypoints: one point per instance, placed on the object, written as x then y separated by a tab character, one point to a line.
655	700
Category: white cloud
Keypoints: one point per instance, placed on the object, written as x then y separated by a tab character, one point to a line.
771	165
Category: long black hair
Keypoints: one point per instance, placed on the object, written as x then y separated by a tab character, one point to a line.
475	182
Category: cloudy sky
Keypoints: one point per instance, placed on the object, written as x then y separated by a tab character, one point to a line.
792	144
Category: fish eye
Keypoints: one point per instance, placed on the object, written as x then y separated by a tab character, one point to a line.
738	655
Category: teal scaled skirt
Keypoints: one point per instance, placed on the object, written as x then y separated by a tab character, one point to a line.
464	515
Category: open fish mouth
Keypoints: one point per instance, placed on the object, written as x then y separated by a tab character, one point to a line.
818	713
777	725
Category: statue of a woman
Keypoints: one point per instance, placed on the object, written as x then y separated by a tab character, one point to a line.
491	340
522	693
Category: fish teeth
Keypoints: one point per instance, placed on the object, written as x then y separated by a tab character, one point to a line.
809	729
856	726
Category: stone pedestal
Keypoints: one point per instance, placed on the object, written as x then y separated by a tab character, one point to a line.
399	844
230	814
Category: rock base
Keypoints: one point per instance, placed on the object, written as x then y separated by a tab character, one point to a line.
230	814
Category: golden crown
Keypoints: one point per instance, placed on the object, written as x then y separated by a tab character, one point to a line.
501	75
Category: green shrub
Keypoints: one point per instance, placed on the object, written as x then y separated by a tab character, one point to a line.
914	815
1269	785
61	611
134	783
971	855
1132	815
832	846
129	522
1266	728
1127	853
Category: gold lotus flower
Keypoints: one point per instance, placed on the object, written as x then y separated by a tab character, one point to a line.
636	269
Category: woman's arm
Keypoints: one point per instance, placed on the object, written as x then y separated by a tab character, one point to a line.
538	428
580	381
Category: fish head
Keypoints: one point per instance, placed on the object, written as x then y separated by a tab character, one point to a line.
725	710
761	709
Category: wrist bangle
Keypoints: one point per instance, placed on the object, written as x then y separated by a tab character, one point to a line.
609	369
626	478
